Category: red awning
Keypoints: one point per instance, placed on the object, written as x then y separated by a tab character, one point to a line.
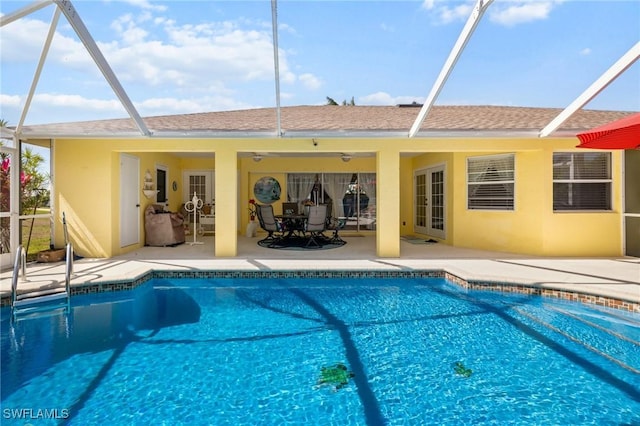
619	134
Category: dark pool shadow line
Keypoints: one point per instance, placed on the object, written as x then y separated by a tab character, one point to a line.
373	414
630	390
93	385
149	340
80	332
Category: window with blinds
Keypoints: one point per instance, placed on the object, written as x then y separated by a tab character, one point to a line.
581	181
490	182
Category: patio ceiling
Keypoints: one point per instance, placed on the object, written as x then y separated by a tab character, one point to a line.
141	128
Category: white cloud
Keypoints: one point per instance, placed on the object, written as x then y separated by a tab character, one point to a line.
10	100
521	12
310	81
77	101
428	4
169	105
585	52
383	98
508	13
445	13
146	5
460	12
128	31
286	28
22	40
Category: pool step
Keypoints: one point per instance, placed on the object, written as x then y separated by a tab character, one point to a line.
598	339
30	303
26	303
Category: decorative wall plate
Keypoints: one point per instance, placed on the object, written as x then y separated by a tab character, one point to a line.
267	190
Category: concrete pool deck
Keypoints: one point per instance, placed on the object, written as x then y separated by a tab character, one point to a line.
613	282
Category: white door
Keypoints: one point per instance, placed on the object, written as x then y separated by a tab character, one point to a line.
430	201
129	200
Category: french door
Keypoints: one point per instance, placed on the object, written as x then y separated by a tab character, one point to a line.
200	182
429	201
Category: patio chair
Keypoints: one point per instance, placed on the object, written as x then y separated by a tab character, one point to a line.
268	222
162	228
316	224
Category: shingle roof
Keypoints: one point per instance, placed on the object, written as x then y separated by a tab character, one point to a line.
330	118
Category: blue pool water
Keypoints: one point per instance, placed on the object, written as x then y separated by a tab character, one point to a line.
250	352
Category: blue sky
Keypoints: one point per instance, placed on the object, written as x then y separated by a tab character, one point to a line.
175	57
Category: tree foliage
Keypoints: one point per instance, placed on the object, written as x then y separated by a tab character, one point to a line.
331	101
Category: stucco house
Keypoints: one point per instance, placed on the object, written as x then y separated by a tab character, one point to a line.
473	176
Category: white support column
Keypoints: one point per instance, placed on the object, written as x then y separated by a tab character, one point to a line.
36	77
76	22
598	86
478	10
24	11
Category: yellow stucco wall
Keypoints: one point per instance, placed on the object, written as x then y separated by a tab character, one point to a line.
532	227
87	182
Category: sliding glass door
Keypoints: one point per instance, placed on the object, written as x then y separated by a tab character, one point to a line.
351	196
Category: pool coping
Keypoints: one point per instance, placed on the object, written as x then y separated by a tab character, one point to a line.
130	283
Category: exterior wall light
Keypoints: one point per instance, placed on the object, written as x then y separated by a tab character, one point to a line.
346	158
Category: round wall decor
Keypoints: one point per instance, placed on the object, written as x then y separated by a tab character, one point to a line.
267	190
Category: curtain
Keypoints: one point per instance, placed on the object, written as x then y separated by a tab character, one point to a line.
299	186
336	185
367	182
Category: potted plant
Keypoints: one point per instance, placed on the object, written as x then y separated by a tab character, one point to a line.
252	226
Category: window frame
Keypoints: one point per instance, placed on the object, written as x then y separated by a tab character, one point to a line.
512	182
572	180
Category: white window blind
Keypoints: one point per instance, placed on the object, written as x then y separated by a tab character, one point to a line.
490	182
581	181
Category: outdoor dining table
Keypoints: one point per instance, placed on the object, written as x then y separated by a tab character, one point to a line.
292	223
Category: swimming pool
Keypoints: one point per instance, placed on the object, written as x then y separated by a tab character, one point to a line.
252	351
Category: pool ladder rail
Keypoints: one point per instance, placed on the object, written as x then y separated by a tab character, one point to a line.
40	301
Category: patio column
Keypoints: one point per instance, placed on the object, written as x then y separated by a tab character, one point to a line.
388	203
226	203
